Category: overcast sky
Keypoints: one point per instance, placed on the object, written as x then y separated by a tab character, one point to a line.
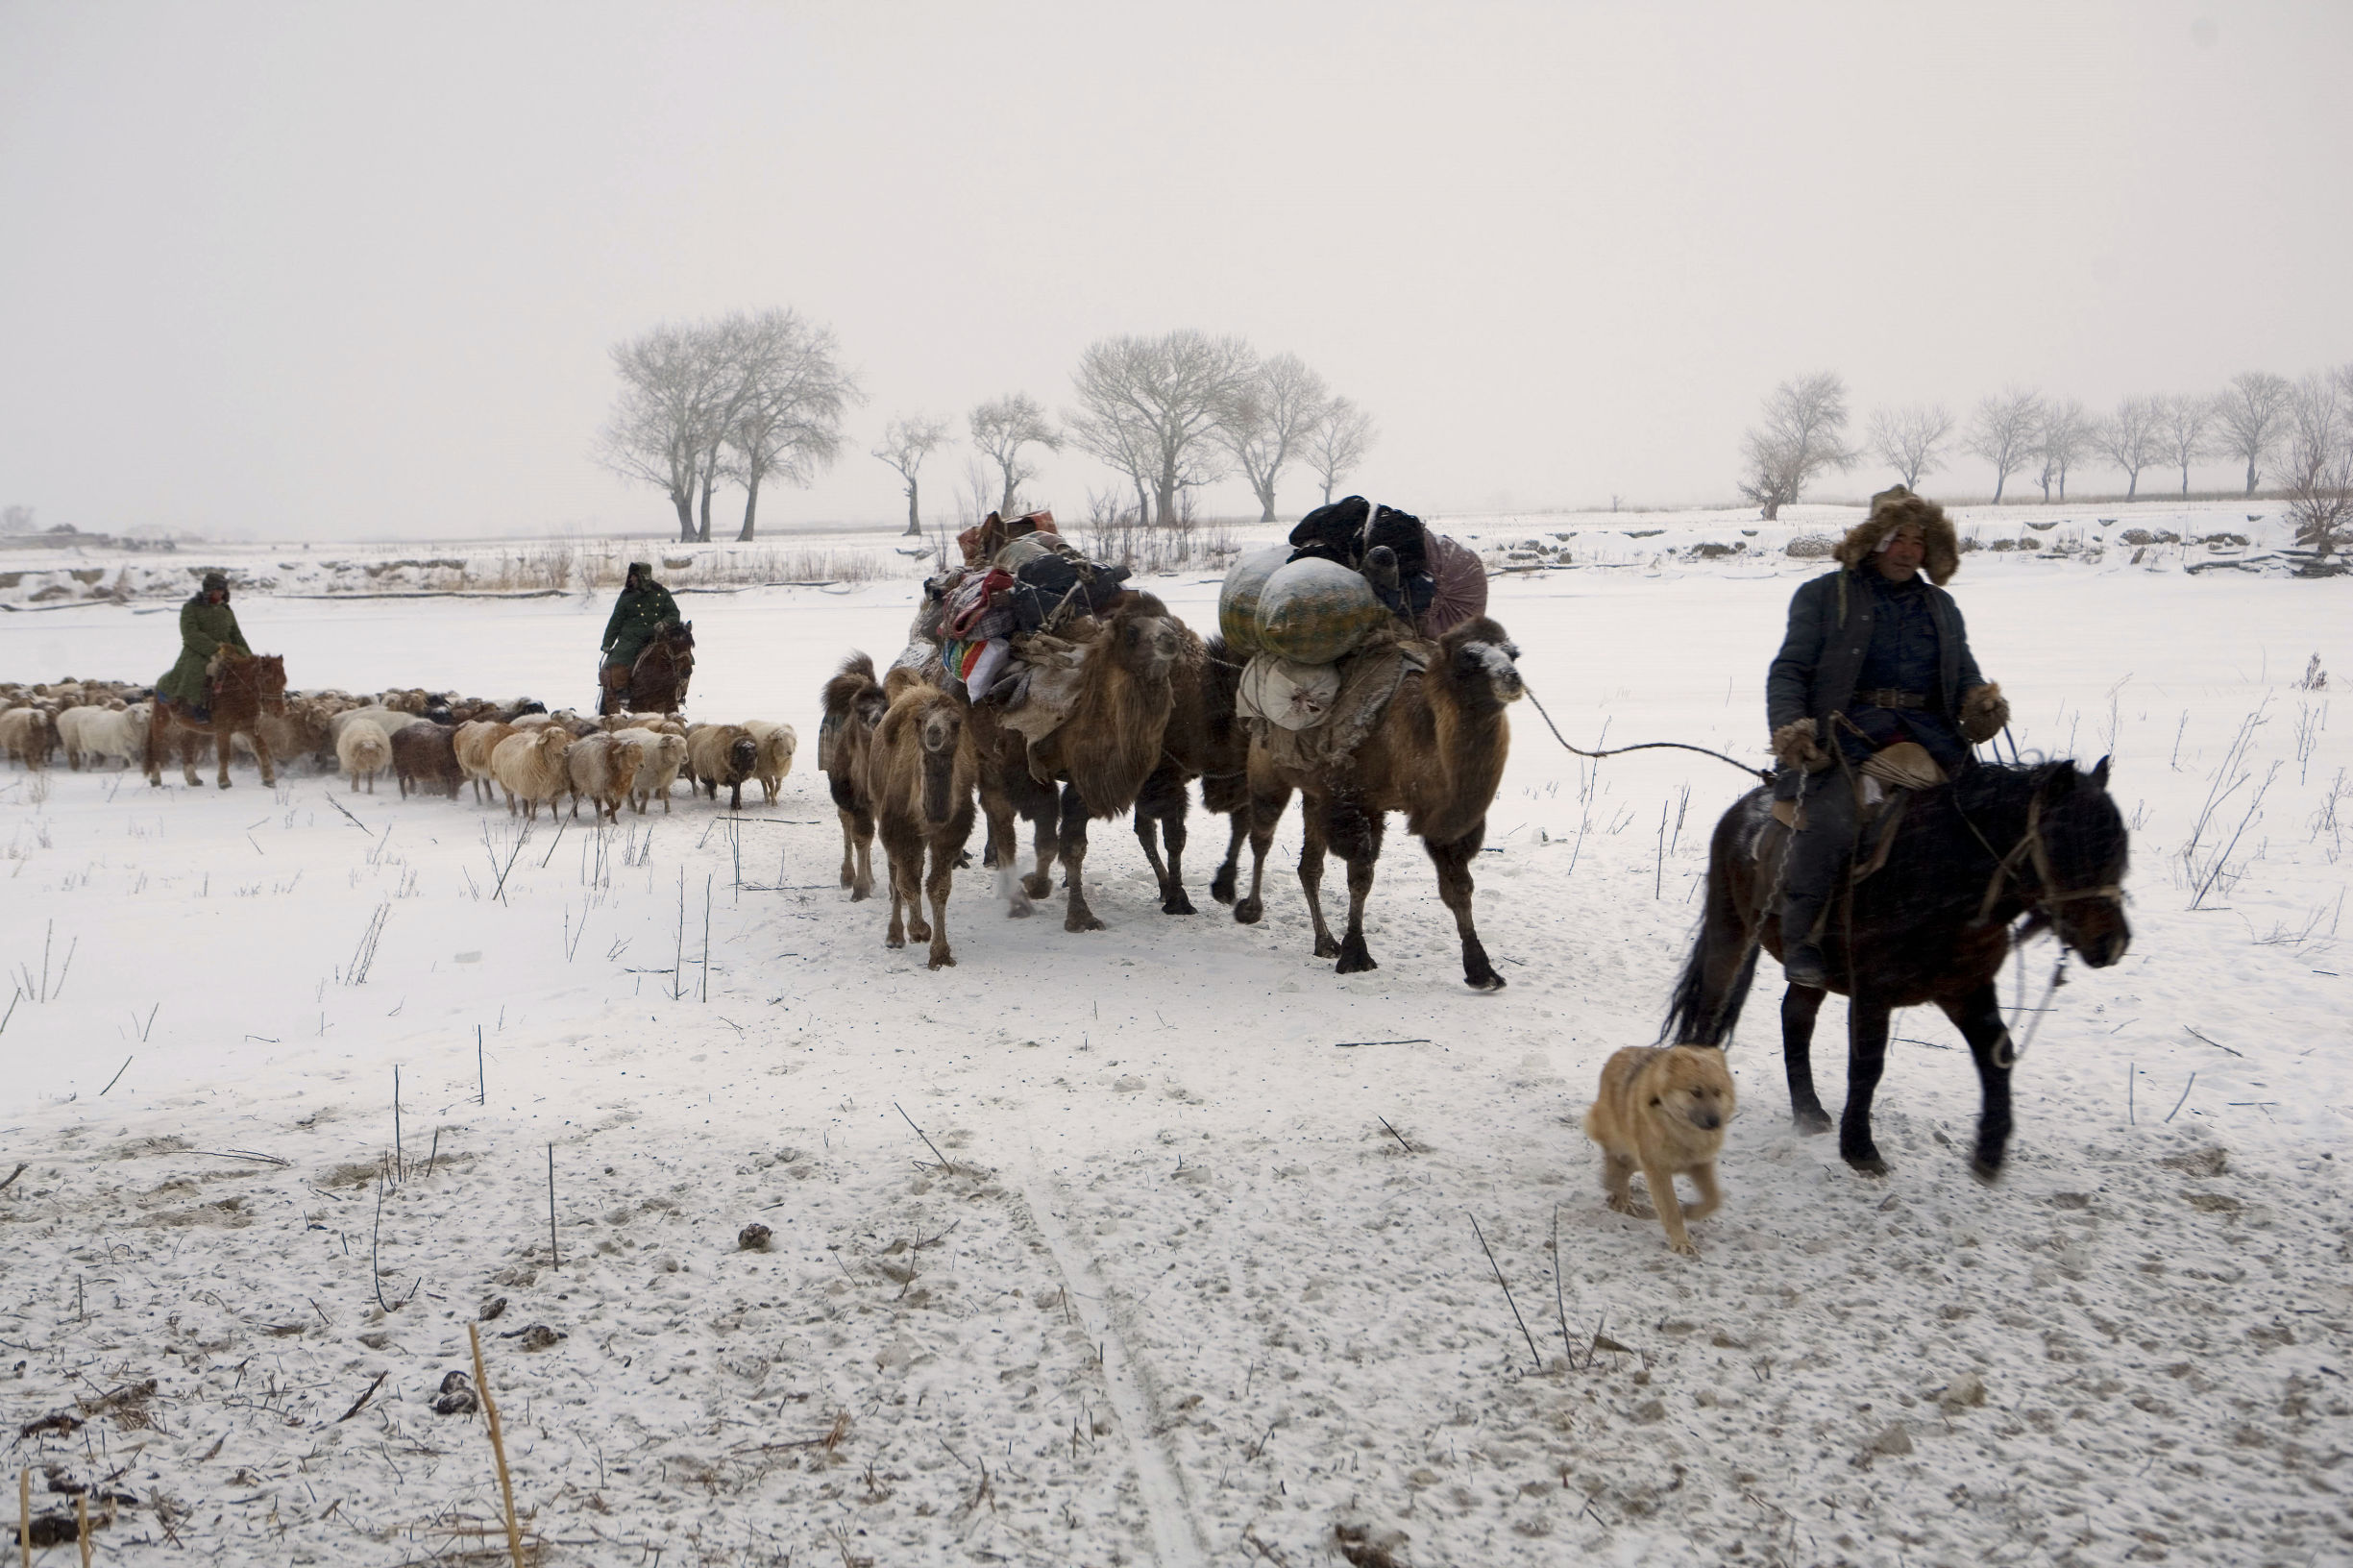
351	271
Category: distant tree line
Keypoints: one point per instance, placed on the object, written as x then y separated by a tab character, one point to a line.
748	399
2298	432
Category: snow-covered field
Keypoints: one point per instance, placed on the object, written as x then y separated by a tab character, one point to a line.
1199	1284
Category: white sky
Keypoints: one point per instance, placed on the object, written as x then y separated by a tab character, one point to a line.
335	271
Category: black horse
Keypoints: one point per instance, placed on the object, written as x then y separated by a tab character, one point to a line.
1933	925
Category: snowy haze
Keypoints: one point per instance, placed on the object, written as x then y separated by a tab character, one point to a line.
326	272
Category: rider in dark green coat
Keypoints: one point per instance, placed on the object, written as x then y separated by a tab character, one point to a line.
644	607
206	624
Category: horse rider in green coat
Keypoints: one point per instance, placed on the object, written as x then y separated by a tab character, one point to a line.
1876	655
644	608
207	625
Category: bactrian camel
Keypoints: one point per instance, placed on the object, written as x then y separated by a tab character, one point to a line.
1437	755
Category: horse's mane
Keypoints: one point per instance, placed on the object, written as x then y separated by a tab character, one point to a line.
1996	784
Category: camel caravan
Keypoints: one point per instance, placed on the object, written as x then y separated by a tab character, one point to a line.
1355	667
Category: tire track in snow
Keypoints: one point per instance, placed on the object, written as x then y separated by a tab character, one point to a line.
1178	1540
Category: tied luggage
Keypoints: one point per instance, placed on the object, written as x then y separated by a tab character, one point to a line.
1314	611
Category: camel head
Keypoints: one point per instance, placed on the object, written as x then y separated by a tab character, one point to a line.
1482	661
940	731
1145	639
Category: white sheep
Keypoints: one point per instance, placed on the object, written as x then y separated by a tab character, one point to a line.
605	770
529	766
659	757
364	750
27	734
91	734
777	743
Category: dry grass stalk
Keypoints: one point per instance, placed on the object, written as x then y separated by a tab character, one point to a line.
497	1447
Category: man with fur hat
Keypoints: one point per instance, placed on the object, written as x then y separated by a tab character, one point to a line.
206	624
644	608
1876	655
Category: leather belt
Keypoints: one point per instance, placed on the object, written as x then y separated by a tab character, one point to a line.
1889	697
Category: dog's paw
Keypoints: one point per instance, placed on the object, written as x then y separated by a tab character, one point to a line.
1625	1205
1686	1247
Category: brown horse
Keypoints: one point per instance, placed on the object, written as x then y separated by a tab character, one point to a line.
243	689
658	679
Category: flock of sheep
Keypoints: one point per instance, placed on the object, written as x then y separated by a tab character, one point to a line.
432	742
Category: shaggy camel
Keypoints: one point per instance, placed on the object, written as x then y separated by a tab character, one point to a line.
1102	757
1436	755
920	776
854	703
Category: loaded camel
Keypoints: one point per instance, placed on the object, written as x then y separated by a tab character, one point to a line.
1436	754
1097	763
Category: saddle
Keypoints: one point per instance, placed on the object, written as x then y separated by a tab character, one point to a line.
1885	783
1315	714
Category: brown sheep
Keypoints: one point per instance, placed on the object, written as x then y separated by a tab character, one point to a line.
719	754
426	754
529	766
604	769
474	742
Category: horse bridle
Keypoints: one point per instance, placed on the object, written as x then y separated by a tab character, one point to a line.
2037	854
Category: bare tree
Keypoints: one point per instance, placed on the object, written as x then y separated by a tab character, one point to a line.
15	519
1281	405
1153	409
2319	481
2250	418
906	441
2185	429
1335	444
2128	439
2065	440
666	429
1909	438
2004	432
1001	427
1803	433
790	393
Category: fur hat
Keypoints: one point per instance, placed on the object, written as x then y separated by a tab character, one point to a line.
216	582
1898	507
642	571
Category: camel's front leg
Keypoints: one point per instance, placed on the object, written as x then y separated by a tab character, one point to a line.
1076	915
1003	849
935	886
1453	867
1164	800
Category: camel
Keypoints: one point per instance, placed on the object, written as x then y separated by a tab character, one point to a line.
1437	755
920	777
854	703
1102	756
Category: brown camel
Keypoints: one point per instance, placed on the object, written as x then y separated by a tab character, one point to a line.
1437	755
1101	757
854	703
920	777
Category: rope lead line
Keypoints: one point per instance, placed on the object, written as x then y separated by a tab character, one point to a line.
1763	774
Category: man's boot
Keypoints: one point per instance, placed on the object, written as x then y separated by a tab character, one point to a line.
1801	960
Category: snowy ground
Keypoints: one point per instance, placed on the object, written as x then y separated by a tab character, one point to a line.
1183	1296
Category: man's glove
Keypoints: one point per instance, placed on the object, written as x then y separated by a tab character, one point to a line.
1795	744
1984	713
